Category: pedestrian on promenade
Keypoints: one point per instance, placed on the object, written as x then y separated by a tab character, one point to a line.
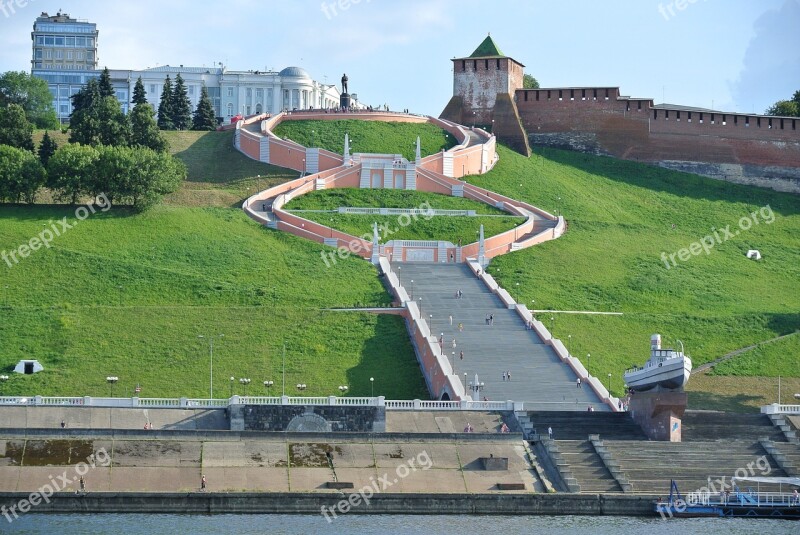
460	327
82	483
203	483
454	343
578	382
491	319
487	319
462	354
504	376
508	374
63	424
550	432
451	319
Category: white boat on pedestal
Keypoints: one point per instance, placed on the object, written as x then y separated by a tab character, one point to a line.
667	369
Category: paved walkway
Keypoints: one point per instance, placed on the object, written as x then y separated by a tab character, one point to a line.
538	377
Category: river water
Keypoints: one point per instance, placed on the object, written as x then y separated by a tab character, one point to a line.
134	524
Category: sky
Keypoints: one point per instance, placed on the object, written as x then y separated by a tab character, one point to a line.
732	55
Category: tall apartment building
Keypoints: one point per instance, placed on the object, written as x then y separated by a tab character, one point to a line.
64	55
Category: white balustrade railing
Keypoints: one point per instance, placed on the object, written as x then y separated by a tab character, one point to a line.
775	408
177	403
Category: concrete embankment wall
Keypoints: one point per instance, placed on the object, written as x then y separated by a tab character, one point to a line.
312	503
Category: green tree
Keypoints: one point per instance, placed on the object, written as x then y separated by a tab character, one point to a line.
47	148
151	176
783	108
165	108
796	99
84	123
33	94
97	119
21	175
181	105
529	82
139	94
112	171
15	130
114	126
144	130
71	171
104	84
204	116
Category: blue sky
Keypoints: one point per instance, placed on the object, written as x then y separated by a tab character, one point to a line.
739	55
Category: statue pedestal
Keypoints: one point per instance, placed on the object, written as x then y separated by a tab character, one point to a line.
344	101
659	413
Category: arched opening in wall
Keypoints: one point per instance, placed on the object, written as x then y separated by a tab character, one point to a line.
399	182
445	397
258	109
376	179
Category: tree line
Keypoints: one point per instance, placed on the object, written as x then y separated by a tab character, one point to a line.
124	157
786	108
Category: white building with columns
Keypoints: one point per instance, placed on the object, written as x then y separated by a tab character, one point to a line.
232	92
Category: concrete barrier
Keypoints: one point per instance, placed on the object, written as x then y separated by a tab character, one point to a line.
319	502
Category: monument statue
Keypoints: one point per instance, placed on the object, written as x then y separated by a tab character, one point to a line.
344	84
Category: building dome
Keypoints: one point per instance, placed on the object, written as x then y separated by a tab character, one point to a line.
295	72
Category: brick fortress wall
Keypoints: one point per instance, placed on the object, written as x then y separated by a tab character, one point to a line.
750	149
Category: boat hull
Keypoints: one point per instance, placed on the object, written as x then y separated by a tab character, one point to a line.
668	375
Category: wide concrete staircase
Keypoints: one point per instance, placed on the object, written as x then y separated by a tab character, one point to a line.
715	425
586	467
649	466
569	425
538	377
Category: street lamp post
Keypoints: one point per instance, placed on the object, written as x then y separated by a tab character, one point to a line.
569	344
588	364
420	306
301	386
112	380
268	386
552	324
430	323
372	386
412	288
244	381
343	389
454	363
211	354
232	380
518	296
609	385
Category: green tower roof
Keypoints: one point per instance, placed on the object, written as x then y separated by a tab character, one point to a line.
488	48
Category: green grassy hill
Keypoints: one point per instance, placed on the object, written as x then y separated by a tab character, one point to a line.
368	136
455	229
128	294
621	217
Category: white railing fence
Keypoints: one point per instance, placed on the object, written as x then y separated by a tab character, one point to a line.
187	403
